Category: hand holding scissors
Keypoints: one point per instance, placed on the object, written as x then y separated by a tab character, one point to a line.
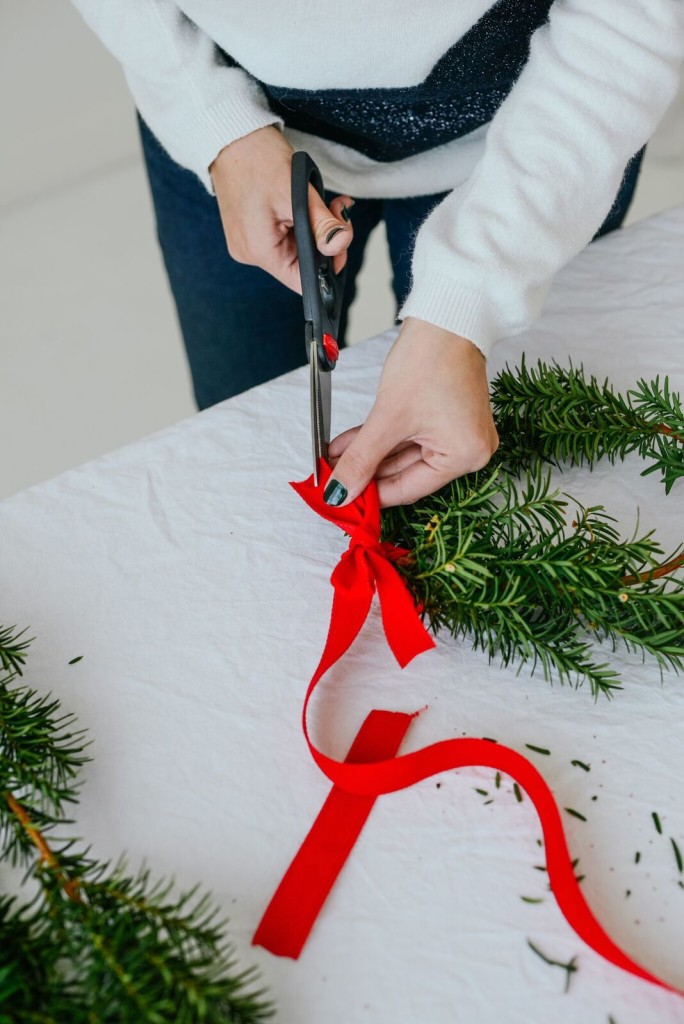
252	180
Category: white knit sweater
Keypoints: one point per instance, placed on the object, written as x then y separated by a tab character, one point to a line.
529	188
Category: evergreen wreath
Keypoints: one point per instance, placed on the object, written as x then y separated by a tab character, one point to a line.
493	557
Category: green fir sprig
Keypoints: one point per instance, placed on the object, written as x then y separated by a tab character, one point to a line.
96	944
558	415
12	652
529	574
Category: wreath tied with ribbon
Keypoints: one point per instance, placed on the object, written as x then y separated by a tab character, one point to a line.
491	556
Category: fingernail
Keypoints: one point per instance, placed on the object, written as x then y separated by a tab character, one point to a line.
335	493
331	234
345	213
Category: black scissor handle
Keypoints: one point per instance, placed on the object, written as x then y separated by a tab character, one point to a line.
322	288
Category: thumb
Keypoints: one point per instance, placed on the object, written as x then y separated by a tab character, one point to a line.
333	234
357	465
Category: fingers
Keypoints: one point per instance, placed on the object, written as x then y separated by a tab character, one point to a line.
359	460
341	442
399	460
414	482
339	204
402	474
421	471
283	263
332	232
341	207
395	462
281	259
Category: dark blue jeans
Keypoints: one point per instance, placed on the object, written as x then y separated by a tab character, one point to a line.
240	326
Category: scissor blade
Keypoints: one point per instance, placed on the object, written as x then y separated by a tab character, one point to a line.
316	410
324	391
320	411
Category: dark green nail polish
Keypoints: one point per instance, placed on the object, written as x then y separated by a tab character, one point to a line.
334	493
331	234
345	213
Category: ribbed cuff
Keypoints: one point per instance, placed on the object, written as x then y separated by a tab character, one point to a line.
442	301
234	117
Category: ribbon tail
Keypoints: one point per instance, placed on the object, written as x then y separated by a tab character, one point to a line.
405	632
299	898
377	776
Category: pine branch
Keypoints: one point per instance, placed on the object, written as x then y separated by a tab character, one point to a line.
147	954
498	561
97	945
555	414
40	756
664	408
12	655
32	990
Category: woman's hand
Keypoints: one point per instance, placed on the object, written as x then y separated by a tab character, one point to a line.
431	421
252	179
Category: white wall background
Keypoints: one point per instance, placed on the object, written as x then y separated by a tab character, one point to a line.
90	353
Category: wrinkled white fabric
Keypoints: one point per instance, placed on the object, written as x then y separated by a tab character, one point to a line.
195	584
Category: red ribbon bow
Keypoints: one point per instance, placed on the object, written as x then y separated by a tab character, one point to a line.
366	566
372	767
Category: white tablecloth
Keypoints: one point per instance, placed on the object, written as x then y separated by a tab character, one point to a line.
195	584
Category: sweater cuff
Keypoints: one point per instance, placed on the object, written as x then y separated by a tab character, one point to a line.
443	302
234	117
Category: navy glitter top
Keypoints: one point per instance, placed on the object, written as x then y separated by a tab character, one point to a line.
462	92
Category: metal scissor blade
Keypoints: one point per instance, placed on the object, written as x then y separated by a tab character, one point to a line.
320	410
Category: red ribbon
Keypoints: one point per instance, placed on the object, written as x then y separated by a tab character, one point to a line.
371	767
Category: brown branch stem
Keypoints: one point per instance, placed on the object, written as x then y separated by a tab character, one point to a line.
654	574
662	428
39	841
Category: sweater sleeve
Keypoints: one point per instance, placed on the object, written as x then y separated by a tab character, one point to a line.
598	79
191	99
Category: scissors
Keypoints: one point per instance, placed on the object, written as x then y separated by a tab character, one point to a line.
322	291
